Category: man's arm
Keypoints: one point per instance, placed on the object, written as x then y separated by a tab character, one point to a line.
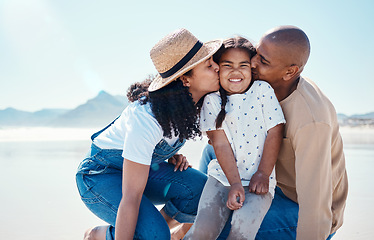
226	159
312	145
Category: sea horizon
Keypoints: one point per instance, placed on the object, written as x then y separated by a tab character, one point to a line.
351	134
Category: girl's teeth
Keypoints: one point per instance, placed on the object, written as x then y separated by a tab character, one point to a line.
235	80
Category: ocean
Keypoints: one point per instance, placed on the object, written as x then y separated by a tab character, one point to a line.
39	198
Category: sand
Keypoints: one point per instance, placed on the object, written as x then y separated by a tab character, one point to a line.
40	200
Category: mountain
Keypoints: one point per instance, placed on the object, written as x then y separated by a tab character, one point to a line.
366	119
96	112
14	117
102	109
45	116
364	116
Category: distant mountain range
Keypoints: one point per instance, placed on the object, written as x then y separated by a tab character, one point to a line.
366	119
96	112
102	109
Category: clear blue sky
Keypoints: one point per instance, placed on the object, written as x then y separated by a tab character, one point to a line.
58	54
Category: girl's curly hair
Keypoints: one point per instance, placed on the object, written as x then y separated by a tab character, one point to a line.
234	42
172	106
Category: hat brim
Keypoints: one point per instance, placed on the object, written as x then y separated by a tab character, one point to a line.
206	51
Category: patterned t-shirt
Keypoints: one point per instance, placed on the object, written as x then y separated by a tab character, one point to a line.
248	118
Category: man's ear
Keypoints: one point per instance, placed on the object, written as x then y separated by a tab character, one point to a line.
291	72
185	81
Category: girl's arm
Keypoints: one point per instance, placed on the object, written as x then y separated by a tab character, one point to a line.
226	159
134	180
259	183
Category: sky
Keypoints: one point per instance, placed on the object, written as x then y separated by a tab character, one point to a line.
59	54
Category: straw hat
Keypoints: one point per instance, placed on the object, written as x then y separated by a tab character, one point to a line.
176	54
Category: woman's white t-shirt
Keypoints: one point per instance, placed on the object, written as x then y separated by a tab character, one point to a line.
136	132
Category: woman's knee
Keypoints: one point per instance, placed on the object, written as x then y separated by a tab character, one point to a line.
197	182
189	190
155	230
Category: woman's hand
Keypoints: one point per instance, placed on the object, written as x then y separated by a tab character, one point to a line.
236	197
259	183
180	162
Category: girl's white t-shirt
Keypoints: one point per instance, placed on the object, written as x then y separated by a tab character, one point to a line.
248	118
136	132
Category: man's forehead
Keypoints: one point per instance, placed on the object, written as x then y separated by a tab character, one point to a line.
262	46
269	51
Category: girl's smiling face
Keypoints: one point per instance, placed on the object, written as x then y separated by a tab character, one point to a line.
235	70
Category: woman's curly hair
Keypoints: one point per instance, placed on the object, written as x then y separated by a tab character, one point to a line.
234	42
139	90
172	106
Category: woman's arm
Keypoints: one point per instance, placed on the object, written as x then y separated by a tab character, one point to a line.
135	176
259	183
226	159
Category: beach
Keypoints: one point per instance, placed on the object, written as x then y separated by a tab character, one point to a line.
40	199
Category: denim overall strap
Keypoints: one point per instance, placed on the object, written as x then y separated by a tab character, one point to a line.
102	130
164	151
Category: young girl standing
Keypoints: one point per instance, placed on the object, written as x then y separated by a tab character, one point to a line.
244	124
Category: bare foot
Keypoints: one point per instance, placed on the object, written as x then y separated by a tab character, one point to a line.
96	233
179	231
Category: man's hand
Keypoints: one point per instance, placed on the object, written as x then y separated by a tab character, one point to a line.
180	162
259	183
236	197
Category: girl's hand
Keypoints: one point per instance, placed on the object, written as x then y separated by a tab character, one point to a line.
259	183
236	197
180	162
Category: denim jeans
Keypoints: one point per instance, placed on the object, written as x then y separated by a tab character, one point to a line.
99	181
280	222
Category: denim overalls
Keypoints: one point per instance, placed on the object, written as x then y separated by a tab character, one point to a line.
99	181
